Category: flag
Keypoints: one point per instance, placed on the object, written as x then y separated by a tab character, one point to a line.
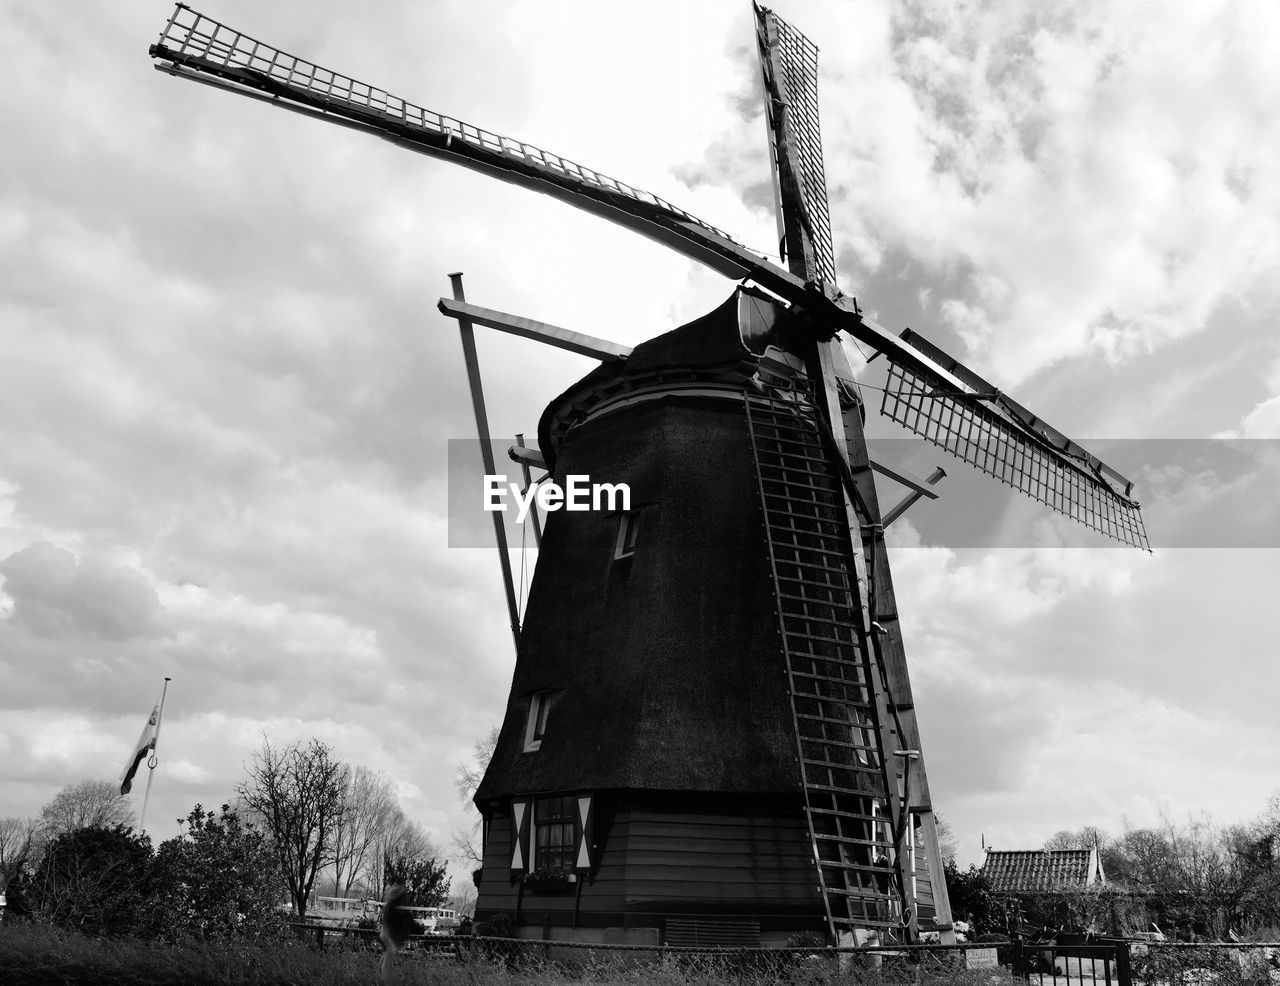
146	743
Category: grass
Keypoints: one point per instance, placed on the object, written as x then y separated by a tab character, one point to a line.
41	955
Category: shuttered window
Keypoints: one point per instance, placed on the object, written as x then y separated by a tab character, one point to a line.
555	829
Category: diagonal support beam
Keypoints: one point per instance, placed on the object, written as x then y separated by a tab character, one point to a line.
528	481
917	491
486	454
552	335
909	479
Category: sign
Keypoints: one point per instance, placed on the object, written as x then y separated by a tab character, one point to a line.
981	958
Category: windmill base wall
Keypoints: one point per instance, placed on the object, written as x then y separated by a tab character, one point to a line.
722	862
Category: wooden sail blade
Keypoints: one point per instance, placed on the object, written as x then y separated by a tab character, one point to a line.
789	64
200	49
998	436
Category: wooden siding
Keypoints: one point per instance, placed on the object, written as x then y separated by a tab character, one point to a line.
674	857
722	857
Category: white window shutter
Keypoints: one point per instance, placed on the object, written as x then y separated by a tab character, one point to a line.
586	824
520	811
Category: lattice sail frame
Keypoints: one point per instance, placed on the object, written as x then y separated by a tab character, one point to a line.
791	80
191	37
978	433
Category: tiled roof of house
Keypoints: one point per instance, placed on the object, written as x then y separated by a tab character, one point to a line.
1041	869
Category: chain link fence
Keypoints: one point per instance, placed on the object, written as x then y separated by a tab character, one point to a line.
1205	963
556	962
1114	962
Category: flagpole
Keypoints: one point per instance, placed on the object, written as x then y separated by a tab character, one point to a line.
152	760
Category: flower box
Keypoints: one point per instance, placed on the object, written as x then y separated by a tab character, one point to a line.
549	880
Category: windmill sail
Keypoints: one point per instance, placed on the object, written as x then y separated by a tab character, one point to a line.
201	49
789	62
998	436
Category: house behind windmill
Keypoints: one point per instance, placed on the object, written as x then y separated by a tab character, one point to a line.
1043	871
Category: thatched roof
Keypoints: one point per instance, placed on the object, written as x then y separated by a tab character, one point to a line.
708	348
664	669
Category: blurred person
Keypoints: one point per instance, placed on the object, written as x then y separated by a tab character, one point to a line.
394	925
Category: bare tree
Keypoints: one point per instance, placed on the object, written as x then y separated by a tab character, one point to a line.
372	809
463	896
17	841
402	839
89	803
299	792
947	845
466	845
1089	837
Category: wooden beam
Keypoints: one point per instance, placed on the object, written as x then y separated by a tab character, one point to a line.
944	921
527	457
528	481
908	501
552	335
908	479
486	454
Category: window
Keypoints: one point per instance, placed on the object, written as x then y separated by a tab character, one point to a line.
628	524
554	833
539	707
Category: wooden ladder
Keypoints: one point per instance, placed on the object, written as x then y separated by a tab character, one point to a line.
828	670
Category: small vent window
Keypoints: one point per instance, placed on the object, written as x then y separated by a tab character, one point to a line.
628	526
539	707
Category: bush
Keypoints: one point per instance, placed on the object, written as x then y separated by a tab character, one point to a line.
92	879
218	880
972	899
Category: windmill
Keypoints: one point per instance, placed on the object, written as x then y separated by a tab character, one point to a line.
711	735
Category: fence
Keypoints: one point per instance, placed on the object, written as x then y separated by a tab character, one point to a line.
1098	962
539	961
1196	963
324	934
1089	963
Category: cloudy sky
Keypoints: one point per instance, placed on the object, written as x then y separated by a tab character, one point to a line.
226	394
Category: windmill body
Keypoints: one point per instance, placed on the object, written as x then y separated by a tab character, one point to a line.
661	706
653	687
710	736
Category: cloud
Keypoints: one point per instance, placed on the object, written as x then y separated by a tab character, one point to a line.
1078	180
54	595
1262	422
1048	131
